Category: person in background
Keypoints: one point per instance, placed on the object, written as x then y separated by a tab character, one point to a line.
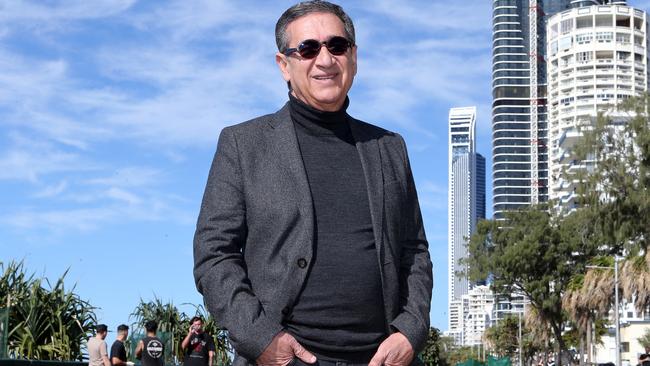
150	350
97	348
644	359
201	345
118	351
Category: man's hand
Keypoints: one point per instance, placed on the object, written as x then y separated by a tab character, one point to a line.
283	348
395	350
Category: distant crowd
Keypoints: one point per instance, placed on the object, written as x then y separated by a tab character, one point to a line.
198	346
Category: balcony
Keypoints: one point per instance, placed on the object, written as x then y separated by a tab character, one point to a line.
569	137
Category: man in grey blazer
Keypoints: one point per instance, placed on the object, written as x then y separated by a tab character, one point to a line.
310	246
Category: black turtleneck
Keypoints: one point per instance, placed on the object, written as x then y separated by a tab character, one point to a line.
339	314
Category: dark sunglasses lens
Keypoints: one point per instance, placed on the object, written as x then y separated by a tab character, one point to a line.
338	45
309	48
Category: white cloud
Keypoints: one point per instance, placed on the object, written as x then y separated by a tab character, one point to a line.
129	177
432	196
181	71
97	209
123	195
52	190
28	165
468	16
181	21
82	219
192	91
24	10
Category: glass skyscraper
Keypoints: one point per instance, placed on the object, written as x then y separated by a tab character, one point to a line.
466	202
519	113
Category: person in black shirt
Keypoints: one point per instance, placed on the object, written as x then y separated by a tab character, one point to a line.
150	350
118	351
199	345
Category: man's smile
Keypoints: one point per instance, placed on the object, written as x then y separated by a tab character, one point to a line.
325	77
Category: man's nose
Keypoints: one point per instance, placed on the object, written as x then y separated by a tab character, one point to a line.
324	58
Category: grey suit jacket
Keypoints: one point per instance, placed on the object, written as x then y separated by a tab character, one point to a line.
254	242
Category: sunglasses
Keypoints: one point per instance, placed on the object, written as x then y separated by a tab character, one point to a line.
310	48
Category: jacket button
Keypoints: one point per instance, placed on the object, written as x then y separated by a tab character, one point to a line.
302	263
286	310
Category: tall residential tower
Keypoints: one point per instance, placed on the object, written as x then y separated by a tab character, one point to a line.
519	115
598	57
466	200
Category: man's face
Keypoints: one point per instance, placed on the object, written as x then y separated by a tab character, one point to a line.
323	81
102	335
197	325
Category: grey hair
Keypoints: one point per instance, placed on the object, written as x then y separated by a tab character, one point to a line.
308	7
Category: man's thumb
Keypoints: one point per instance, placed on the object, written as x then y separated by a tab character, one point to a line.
302	353
378	359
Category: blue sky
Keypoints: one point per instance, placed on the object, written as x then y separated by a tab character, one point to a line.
110	111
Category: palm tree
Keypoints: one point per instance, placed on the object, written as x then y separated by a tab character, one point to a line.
45	322
588	298
635	280
575	305
540	330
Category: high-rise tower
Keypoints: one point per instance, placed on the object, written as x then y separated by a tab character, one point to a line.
519	116
466	200
598	56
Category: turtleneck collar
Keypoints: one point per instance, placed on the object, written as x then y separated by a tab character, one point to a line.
318	122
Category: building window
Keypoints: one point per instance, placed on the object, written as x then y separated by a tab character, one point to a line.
583	57
604	21
566	26
565	43
625	346
553	48
585	22
583	38
604	37
622	38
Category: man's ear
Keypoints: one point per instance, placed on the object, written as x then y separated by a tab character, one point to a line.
283	64
353	55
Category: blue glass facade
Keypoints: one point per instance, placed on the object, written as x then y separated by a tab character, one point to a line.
512	176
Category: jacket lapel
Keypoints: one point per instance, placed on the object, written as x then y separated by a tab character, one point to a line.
289	157
285	144
368	149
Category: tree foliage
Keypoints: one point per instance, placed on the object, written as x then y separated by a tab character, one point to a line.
433	349
543	252
616	188
441	351
534	251
504	337
46	322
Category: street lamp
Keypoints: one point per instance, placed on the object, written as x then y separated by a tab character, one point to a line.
616	309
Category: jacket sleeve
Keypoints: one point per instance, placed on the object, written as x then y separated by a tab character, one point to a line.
219	266
415	272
